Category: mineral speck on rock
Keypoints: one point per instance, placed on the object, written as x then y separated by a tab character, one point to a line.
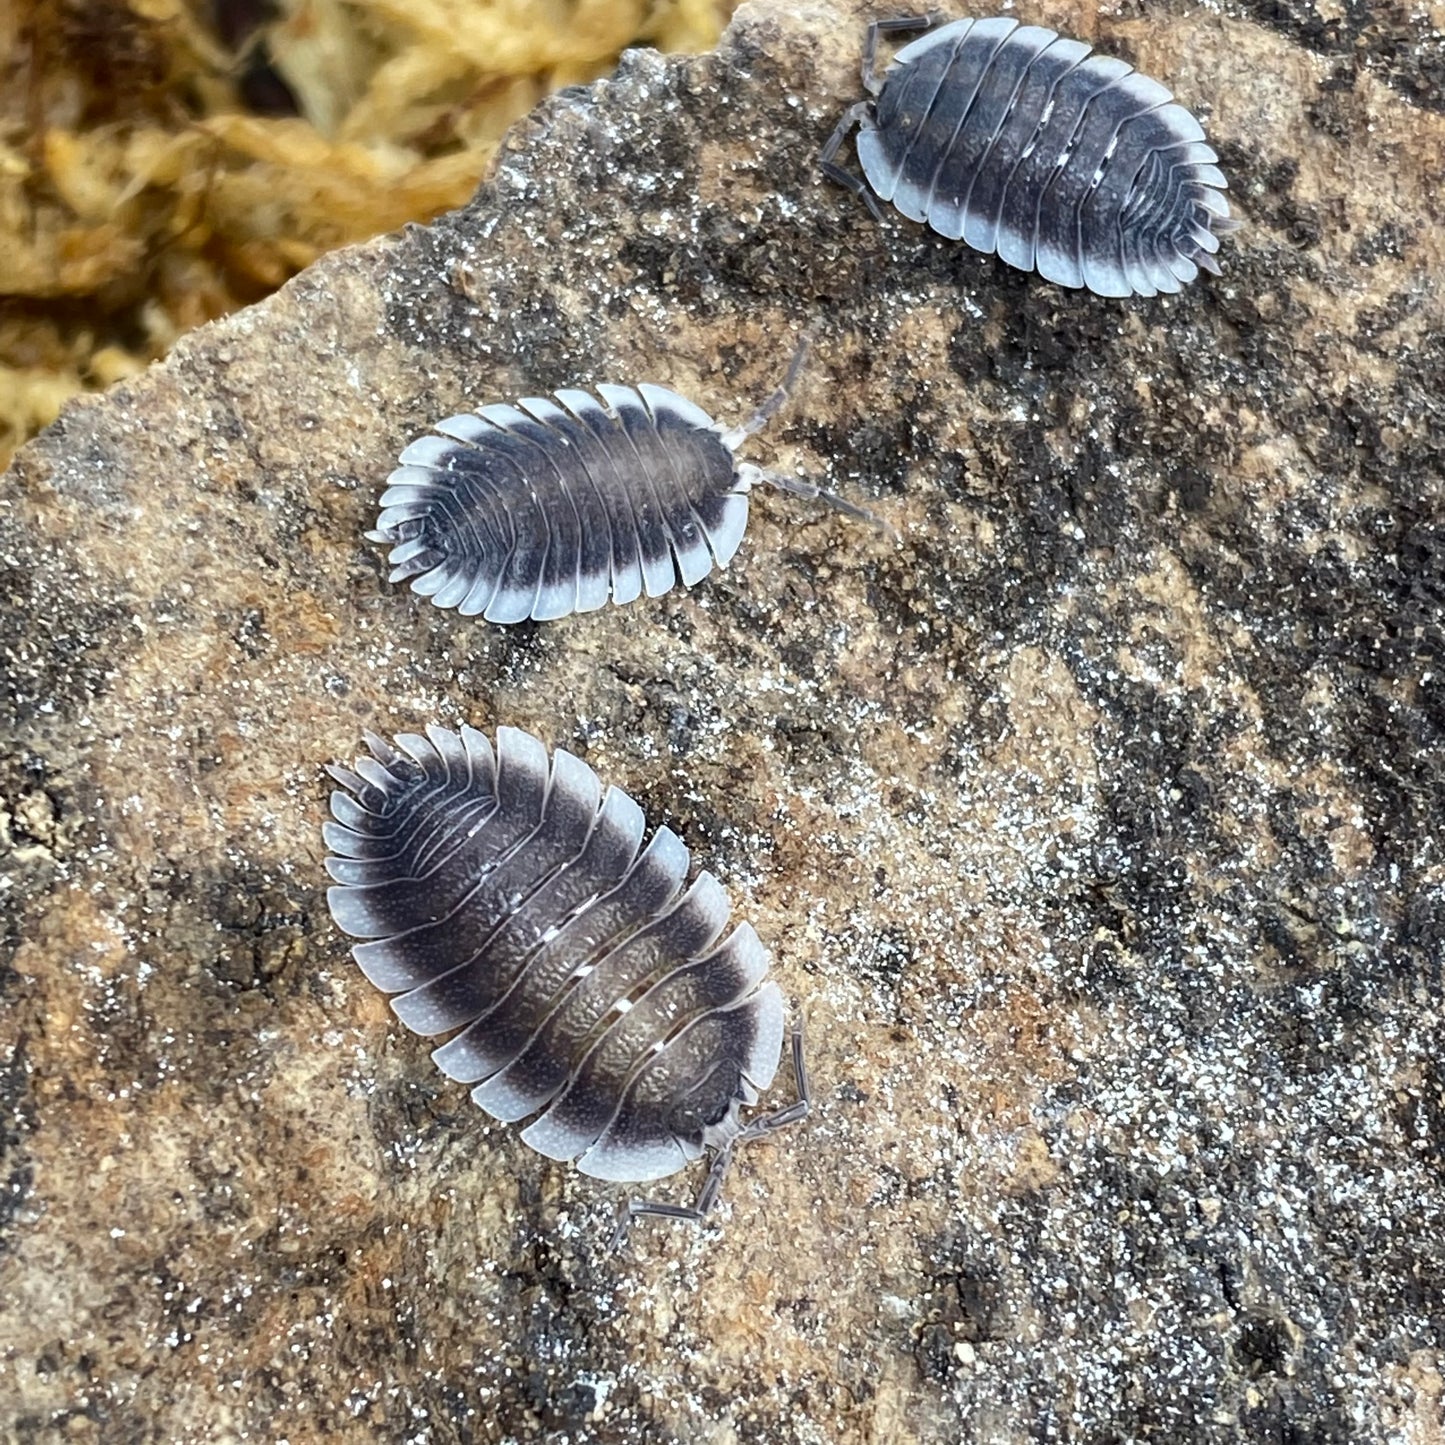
1096	824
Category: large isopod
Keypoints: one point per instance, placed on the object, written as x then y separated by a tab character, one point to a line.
509	903
1021	142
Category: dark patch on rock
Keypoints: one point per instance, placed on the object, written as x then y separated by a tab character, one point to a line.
260	927
890	955
961	1307
17	1120
1264	1346
60	649
1391	43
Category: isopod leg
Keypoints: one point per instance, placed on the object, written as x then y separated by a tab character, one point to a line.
834	172
797	1111
698	1212
896	25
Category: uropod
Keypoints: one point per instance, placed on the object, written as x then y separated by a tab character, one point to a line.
557	504
1019	141
508	902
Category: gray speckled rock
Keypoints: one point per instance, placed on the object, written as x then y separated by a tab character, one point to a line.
1098	823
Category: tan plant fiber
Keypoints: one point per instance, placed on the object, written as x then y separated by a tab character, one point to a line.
163	162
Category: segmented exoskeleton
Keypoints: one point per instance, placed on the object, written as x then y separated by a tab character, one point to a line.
508	902
557	504
1019	141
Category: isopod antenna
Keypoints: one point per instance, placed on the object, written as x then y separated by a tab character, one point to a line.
801	487
749	475
781	394
794	1113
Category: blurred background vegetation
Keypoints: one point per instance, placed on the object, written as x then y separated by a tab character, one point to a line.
163	162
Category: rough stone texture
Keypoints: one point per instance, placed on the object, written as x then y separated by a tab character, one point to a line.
1096	823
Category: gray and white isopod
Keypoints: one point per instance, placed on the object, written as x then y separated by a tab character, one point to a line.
1019	141
507	901
555	505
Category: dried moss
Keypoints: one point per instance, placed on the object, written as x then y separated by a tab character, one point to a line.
163	162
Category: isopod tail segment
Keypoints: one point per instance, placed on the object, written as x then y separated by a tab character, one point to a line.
726	1136
749	475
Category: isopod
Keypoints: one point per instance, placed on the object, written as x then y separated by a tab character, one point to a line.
1027	144
509	903
553	505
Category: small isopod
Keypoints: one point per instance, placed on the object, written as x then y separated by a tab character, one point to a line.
508	902
1021	142
553	505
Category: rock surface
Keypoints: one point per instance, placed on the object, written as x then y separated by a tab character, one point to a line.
1096	823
